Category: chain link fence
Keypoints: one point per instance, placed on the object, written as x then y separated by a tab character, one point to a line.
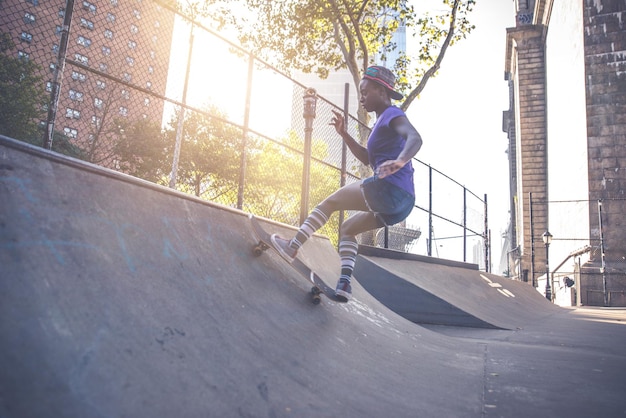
144	89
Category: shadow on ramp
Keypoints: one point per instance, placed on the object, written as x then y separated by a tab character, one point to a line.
121	298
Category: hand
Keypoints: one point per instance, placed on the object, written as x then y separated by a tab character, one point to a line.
339	123
389	167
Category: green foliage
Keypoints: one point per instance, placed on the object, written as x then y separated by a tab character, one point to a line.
322	36
22	95
141	151
209	155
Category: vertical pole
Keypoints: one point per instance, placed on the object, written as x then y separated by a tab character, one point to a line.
246	127
603	260
181	115
548	287
344	148
532	240
430	211
487	239
310	98
58	75
464	224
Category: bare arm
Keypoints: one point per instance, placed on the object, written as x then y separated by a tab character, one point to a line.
357	149
413	144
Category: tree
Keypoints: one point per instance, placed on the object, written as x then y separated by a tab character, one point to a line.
324	35
22	94
209	155
141	151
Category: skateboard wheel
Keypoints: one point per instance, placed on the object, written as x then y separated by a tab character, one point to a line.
258	250
315	291
316	299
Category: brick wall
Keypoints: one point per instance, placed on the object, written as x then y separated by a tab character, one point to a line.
605	68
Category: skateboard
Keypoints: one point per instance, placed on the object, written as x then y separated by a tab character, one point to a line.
319	287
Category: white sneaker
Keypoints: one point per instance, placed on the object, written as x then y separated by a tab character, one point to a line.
284	249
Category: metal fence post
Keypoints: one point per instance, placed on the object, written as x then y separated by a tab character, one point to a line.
246	127
181	114
58	74
430	211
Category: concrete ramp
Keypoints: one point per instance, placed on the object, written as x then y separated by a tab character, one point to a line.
435	292
119	298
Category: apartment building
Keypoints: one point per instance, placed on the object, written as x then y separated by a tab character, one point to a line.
116	65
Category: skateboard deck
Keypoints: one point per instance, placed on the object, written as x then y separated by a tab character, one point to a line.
319	286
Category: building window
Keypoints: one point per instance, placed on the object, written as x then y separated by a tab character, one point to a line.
103	67
150	69
106	50
72	113
97	102
149	85
146	102
26	37
49	86
61	12
86	23
134	29
52	67
152	54
125	94
157	24
137	14
70	132
76	95
78	76
127	77
81	40
55	49
81	58
21	55
58	29
132	44
114	3
33	2
123	111
95	121
89	6
130	61
111	17
108	34
101	84
29	18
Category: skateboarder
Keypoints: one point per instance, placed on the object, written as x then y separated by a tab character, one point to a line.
387	197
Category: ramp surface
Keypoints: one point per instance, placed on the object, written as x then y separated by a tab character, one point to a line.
119	298
431	292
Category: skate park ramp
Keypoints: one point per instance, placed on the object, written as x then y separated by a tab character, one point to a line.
121	298
440	292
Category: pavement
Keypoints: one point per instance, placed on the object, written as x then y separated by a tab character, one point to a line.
119	298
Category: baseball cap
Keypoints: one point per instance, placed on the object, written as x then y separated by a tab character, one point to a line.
384	77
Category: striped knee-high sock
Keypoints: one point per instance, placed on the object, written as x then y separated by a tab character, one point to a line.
315	221
348	249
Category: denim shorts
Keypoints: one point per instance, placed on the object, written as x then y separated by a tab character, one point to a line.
390	203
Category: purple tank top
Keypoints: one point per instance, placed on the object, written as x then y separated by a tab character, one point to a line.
385	144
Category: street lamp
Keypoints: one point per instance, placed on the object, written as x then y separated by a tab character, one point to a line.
309	104
547	239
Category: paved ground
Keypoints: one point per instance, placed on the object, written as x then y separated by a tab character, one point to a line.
119	298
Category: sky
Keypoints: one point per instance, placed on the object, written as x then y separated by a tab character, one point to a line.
459	114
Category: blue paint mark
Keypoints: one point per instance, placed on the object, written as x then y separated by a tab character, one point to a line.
22	186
